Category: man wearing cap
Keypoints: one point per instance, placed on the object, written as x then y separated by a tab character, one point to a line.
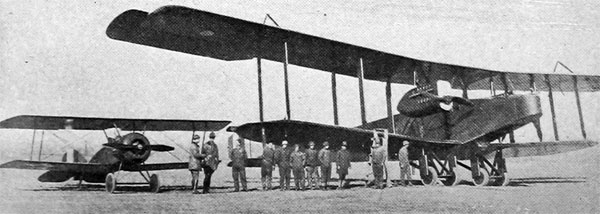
405	171
298	161
267	165
312	164
282	158
238	158
210	153
377	161
343	163
194	164
325	159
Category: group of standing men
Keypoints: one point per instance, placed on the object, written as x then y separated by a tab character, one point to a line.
304	166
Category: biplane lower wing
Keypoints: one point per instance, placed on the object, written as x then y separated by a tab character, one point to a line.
540	148
157	166
88	168
301	132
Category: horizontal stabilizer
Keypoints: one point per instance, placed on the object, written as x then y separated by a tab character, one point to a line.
93	168
55	176
98	123
542	148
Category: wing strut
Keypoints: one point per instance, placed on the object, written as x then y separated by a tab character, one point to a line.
547	78
360	75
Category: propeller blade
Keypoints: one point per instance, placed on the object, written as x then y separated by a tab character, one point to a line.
161	148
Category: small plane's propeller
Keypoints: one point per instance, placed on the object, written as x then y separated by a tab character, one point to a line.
155	147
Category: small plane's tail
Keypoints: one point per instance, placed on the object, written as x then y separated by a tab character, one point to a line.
74	157
71	156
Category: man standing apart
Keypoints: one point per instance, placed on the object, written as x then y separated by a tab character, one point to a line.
194	164
282	158
238	158
312	164
267	165
405	171
377	161
325	159
298	160
210	153
343	163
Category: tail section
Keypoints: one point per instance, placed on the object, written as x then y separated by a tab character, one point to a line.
71	156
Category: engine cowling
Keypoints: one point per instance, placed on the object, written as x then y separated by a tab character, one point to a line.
136	148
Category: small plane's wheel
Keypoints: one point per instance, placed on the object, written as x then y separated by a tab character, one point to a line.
451	180
483	179
431	179
111	182
502	180
154	183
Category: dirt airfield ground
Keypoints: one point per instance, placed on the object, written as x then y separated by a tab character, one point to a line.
563	183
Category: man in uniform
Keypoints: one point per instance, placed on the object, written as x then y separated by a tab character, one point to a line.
267	165
298	161
238	158
312	164
325	159
405	171
343	163
282	158
377	161
210	153
194	164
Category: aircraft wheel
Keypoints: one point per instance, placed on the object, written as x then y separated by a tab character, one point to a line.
110	182
154	183
452	180
483	179
431	179
502	181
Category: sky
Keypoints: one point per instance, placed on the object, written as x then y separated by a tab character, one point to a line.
55	59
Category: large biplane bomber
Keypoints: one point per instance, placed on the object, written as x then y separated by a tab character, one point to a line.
445	131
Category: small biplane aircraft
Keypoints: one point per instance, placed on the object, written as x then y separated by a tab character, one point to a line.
443	130
121	153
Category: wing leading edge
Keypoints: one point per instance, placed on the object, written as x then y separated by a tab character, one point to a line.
212	35
300	132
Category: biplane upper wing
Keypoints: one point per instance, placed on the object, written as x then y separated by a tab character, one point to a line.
95	123
302	132
88	168
212	35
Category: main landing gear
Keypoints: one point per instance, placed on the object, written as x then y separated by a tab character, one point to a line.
434	170
151	180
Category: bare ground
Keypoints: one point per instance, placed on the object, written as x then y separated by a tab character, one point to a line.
564	183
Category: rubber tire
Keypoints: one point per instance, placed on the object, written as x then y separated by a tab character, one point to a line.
502	181
111	182
451	181
432	180
154	183
484	179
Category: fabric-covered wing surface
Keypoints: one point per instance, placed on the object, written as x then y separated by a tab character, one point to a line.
91	168
541	148
95	123
299	132
157	166
212	35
